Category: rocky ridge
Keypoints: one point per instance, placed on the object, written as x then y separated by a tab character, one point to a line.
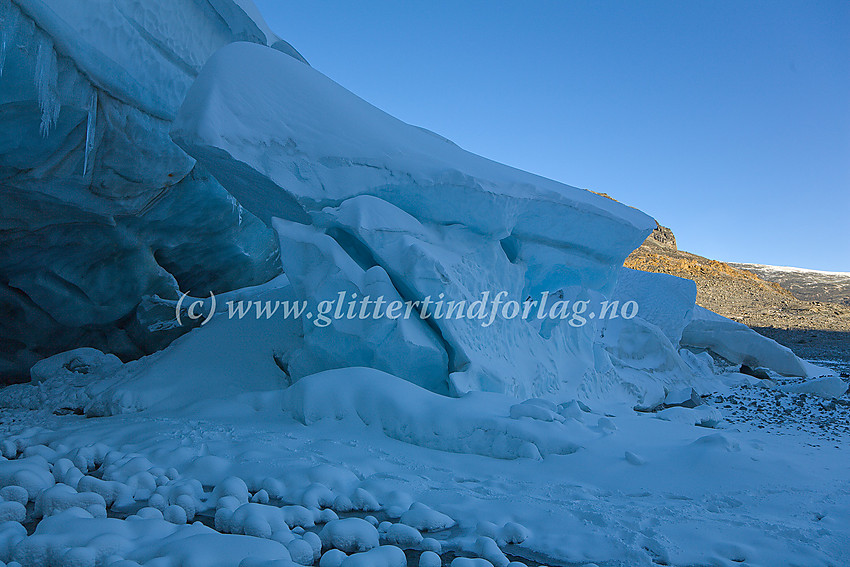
817	330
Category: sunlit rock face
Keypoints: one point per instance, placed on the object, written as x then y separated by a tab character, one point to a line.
99	209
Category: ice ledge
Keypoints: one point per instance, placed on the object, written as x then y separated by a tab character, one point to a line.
318	144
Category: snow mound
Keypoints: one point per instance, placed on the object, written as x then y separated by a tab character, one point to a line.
30	473
74	537
739	344
477	423
257	520
425	519
383	556
62	497
350	535
824	387
73	365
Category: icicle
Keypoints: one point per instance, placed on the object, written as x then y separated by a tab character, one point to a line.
91	123
46	75
236	206
9	16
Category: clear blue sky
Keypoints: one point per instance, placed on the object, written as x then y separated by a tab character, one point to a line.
727	121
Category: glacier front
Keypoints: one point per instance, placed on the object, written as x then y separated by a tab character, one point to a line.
99	209
436	220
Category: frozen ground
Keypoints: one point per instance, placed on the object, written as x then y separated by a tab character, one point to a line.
768	485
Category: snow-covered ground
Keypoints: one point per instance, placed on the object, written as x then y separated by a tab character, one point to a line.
216	472
791	269
809	285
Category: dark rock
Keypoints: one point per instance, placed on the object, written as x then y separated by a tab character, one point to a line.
663	235
759	373
683	397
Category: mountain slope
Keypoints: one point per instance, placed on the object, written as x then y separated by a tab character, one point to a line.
815	330
808	285
736	293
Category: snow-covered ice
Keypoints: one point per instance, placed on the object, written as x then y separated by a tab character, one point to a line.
738	343
364	178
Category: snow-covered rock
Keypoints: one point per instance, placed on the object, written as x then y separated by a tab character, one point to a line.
401	535
513	533
74	365
383	556
62	497
470	562
350	535
332	558
114	493
429	559
257	520
75	533
30	473
488	549
426	519
12	512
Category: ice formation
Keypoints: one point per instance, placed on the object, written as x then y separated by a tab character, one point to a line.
153	221
739	344
318	268
366	203
100	208
434	218
477	423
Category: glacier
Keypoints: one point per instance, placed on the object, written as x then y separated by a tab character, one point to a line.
433	217
137	152
429	219
153	152
100	210
135	143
